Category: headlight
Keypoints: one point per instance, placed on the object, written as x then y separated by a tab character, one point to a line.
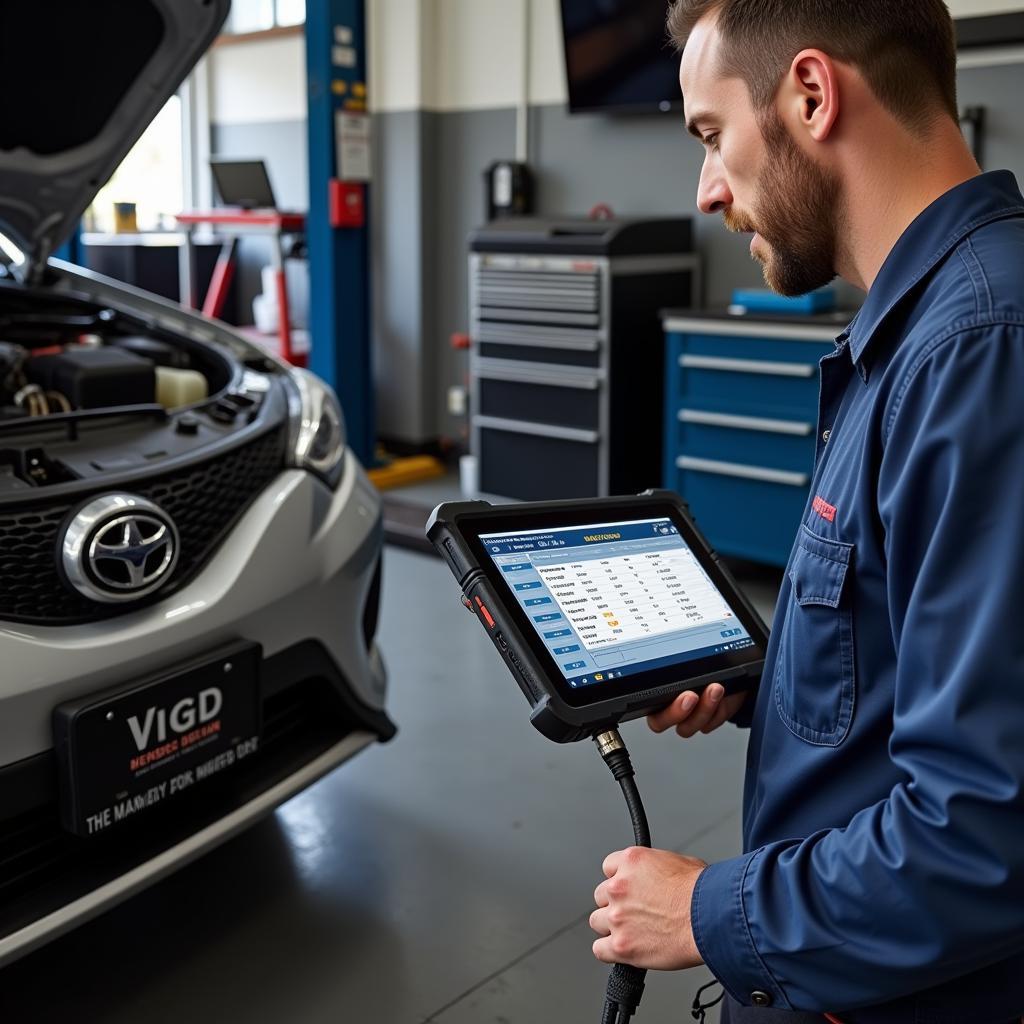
318	427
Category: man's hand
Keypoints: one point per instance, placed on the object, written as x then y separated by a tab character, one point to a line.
643	914
691	713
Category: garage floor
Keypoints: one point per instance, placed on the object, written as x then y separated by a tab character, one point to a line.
445	877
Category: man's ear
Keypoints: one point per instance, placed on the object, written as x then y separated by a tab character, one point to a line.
810	94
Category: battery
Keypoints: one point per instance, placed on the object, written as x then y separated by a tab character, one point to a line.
95	378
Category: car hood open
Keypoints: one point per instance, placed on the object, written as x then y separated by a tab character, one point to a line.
82	83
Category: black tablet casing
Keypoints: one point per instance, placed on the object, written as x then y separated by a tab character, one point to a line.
552	715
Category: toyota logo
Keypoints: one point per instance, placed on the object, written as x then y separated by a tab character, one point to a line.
119	548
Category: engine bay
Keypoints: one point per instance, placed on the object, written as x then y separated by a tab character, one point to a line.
87	390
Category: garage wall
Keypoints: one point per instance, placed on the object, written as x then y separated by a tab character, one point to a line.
401	43
444	77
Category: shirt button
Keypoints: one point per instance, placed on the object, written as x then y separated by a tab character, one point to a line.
825	435
760	998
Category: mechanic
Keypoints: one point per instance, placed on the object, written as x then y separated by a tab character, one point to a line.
883	873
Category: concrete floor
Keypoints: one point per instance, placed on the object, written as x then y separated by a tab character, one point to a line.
446	877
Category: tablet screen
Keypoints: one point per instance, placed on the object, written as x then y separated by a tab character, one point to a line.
611	600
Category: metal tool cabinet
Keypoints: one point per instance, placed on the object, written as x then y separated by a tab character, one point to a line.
741	413
566	363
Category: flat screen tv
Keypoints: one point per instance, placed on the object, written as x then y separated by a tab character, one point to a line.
618	56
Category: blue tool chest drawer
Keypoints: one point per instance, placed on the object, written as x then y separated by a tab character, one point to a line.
741	415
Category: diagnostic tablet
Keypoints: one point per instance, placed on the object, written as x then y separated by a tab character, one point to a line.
602	609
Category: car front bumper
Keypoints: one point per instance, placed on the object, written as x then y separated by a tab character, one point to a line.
298	574
35	929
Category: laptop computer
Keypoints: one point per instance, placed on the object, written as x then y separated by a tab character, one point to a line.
243	183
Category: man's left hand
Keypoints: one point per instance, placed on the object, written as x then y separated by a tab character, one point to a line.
643	914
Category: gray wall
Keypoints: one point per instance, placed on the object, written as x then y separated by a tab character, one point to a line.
405	364
638	165
999	90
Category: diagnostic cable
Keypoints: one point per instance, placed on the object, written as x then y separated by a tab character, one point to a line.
625	986
625	983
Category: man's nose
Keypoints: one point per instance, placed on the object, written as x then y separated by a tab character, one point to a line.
713	194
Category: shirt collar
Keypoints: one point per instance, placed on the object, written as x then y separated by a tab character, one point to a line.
933	233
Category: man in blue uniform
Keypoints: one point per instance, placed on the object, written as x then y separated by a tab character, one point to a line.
883	873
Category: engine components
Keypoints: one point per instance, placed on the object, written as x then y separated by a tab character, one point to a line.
175	388
95	378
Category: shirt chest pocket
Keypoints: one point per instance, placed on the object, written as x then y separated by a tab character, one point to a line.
814	678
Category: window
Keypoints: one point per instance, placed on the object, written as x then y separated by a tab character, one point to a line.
259	15
291	12
151	176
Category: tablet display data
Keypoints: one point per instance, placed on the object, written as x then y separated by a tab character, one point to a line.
616	599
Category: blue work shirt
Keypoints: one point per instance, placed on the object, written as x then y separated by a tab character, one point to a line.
884	797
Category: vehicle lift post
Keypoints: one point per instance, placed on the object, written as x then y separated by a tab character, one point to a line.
337	230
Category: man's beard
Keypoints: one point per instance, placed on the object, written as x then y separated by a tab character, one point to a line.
797	215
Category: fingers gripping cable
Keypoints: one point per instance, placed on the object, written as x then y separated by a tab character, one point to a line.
625	986
625	983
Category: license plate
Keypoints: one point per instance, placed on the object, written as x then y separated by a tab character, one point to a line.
123	754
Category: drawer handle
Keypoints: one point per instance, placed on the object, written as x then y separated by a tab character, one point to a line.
748	366
756	330
504	314
537	429
537	303
537	379
770	476
567	345
498	332
769	426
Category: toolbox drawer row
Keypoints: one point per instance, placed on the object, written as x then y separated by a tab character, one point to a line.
740	421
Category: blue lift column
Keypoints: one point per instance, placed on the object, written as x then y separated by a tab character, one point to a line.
337	228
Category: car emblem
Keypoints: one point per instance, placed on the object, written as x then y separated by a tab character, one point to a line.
119	547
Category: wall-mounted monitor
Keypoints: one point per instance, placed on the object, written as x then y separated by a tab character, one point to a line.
618	56
1002	29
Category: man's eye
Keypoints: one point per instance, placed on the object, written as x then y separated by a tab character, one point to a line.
711	141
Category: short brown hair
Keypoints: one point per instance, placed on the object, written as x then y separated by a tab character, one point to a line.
905	49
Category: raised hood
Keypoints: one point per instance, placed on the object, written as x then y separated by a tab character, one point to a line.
83	79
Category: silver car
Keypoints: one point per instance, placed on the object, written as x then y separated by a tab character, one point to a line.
189	555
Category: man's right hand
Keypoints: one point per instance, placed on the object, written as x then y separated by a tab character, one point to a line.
691	713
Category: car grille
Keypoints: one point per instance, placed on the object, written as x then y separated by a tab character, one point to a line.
204	500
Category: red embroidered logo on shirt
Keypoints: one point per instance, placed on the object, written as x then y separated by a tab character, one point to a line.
824	509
